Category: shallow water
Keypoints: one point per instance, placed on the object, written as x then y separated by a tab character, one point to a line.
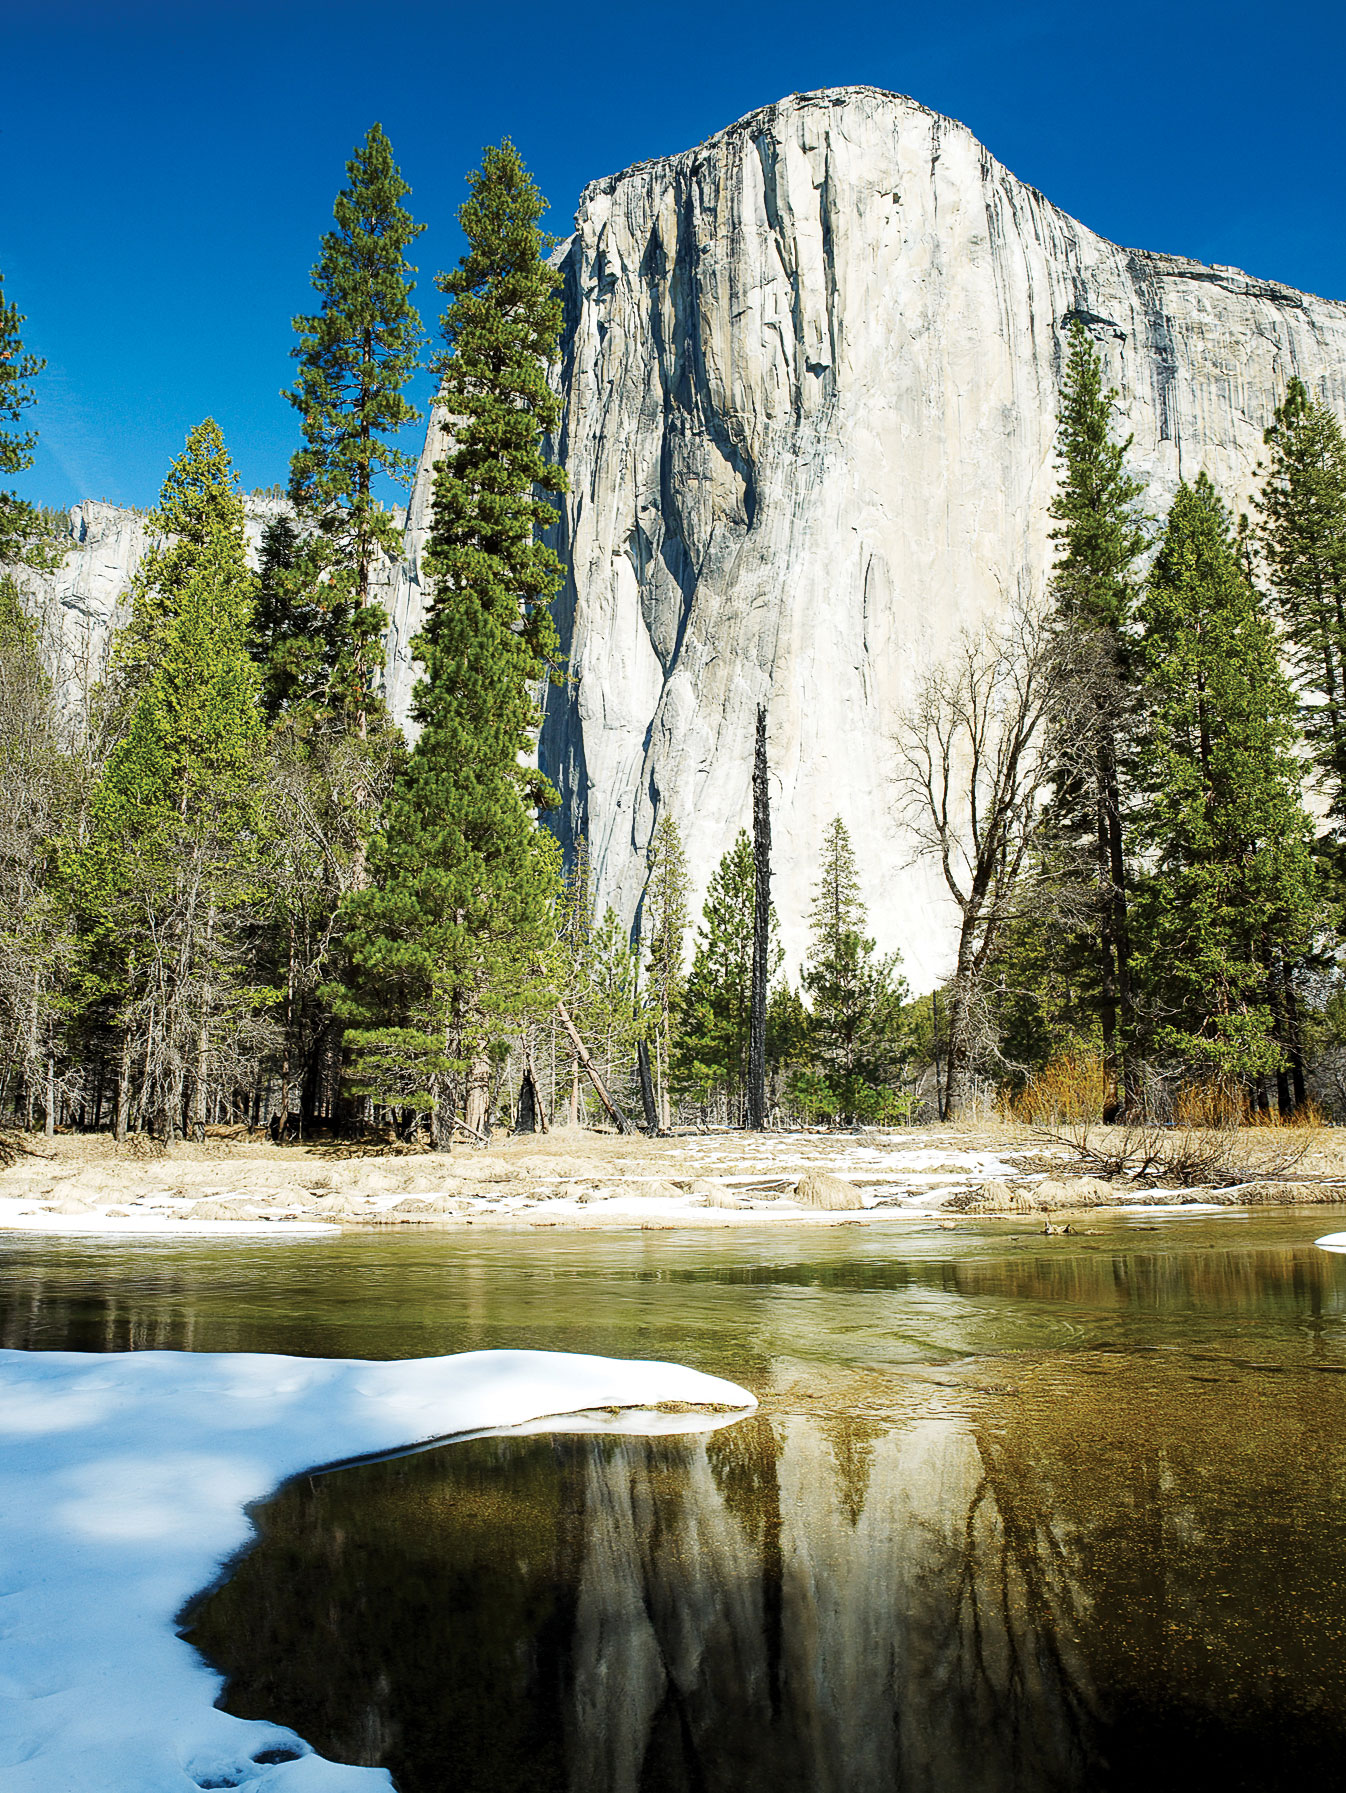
1016	1512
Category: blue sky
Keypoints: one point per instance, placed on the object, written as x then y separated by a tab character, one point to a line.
169	168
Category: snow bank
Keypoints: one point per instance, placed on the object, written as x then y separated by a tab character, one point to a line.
124	1483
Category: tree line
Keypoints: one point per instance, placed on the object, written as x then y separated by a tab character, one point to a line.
1135	789
231	890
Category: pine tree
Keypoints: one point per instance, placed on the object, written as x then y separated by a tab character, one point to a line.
25	536
170	854
665	927
450	940
1302	536
356	355
39	796
1099	539
1231	904
717	1004
855	997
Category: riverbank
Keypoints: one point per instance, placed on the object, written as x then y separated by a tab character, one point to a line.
578	1179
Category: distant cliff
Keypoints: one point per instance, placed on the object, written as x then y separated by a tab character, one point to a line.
810	377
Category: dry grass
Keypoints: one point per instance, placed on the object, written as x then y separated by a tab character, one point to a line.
1191	1157
1214	1140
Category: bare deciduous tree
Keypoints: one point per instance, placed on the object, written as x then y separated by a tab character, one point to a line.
989	728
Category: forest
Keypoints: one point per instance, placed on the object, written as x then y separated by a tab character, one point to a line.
232	894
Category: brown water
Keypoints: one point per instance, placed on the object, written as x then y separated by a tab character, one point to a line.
1016	1512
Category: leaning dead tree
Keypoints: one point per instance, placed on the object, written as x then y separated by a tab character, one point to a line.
987	731
591	1071
761	929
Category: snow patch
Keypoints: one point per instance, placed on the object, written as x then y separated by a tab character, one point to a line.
124	1486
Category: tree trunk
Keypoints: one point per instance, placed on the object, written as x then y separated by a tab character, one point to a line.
663	1055
123	1115
477	1107
761	929
581	1052
198	1128
49	1125
287	1035
1294	1043
958	1047
646	1086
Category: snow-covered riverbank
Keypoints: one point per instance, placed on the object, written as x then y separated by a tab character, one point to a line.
124	1486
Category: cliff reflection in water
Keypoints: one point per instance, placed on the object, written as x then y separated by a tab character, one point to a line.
799	1603
1102	1571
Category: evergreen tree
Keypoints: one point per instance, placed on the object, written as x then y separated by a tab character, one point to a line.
39	796
290	634
170	853
450	940
1231	903
356	355
1099	539
1302	535
788	1045
26	538
717	1005
855	997
665	926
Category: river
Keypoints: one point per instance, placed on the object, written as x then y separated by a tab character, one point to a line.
1016	1512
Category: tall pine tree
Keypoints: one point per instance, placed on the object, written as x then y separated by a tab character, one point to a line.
1099	539
356	355
451	938
1302	535
855	996
169	859
1230	905
25	536
717	1004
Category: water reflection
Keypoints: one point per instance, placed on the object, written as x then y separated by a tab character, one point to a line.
1016	1513
1108	1572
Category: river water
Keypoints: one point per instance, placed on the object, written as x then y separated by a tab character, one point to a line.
1016	1513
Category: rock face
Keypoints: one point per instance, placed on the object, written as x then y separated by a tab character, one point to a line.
86	598
810	377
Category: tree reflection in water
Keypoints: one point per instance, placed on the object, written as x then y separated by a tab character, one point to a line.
1105	1570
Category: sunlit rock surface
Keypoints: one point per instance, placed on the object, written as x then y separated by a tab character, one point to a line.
811	375
88	596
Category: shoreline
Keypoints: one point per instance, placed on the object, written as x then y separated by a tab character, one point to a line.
573	1181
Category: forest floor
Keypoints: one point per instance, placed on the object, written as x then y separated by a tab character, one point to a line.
573	1177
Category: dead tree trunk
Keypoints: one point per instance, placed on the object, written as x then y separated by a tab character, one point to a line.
646	1086
590	1069
761	929
532	1116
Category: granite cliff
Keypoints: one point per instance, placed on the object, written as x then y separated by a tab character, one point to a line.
810	376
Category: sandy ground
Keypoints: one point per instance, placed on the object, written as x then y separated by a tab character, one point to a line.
573	1178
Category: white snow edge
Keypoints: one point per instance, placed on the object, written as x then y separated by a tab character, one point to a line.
125	1481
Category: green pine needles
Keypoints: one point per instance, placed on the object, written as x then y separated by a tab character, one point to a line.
171	851
1232	901
855	996
1100	538
455	934
1302	536
26	537
356	355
